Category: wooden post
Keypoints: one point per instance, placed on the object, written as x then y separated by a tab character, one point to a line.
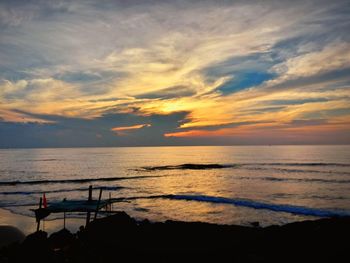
89	199
38	220
110	203
98	203
64	220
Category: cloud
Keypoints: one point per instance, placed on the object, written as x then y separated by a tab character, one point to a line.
123	129
215	63
332	57
296	132
168	93
20	117
61	131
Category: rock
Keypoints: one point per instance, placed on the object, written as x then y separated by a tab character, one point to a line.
255	224
117	228
35	248
121	238
61	239
9	235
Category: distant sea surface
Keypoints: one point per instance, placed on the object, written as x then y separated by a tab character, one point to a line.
225	185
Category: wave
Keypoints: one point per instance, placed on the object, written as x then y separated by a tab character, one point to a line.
75	181
196	166
82	189
293	209
286	170
327	197
308	180
300	164
23	172
188	166
44	160
300	210
307	196
13	204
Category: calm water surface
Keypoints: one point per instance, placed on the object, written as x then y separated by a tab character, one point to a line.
269	184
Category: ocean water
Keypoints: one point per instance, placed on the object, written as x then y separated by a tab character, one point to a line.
223	184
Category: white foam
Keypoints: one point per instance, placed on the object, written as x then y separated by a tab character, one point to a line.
261	205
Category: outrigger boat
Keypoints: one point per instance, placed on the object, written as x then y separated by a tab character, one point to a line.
71	206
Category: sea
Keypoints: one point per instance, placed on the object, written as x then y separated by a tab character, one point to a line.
215	184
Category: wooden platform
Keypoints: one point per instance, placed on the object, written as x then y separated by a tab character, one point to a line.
76	206
85	206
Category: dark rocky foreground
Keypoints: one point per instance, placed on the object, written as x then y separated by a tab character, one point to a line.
119	238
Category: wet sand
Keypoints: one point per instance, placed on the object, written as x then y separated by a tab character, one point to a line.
23	223
27	224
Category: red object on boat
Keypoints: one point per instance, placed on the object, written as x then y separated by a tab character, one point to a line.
44	201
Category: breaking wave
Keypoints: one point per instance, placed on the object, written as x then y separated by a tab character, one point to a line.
82	189
194	166
188	166
308	180
301	164
300	210
44	160
288	170
75	181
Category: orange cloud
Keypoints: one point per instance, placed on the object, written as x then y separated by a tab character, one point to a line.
138	126
191	133
265	129
120	130
213	133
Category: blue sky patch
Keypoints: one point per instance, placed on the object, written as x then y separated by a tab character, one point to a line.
245	80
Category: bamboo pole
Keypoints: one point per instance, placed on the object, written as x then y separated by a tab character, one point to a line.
38	220
110	203
89	199
64	220
98	203
64	216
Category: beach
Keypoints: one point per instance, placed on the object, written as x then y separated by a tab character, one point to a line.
121	238
27	224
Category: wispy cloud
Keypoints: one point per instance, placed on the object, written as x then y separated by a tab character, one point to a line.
123	129
250	64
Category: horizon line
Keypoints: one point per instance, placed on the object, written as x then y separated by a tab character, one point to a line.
158	146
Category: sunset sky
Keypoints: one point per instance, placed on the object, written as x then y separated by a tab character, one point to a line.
134	73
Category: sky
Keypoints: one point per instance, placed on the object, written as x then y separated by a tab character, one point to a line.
149	73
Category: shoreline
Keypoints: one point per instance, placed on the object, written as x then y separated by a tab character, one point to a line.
27	224
120	236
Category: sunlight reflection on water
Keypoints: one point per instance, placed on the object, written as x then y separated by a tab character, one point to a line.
310	176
